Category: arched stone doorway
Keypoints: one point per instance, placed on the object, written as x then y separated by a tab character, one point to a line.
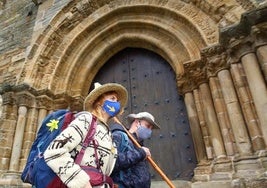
79	41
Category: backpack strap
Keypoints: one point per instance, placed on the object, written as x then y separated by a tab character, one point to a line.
69	117
124	142
87	140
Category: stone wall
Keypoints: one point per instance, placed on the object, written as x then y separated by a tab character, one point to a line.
21	22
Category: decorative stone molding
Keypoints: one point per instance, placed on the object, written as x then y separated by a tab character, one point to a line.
194	75
44	102
25	99
243	28
56	47
215	58
240	47
259	33
8	98
77	103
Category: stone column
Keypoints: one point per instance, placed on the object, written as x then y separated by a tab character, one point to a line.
259	33
248	108
44	104
257	87
203	125
41	115
215	62
242	50
212	122
195	127
7	127
1	105
29	135
222	115
262	57
18	139
235	114
12	176
188	83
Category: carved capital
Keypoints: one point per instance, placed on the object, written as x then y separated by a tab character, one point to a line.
259	33
62	102
8	98
215	58
240	47
194	75
25	99
77	103
216	64
44	102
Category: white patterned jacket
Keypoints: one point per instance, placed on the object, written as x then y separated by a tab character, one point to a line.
61	152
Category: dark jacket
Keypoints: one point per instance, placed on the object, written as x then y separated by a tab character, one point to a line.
131	168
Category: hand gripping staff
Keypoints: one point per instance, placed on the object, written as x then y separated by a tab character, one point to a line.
151	161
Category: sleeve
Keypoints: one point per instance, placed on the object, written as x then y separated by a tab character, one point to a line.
128	158
57	155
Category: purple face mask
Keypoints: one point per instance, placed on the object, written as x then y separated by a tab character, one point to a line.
143	133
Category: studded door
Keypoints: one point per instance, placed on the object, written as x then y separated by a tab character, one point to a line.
151	84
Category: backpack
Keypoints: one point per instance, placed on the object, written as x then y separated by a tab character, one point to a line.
128	177
51	126
36	171
124	142
123	147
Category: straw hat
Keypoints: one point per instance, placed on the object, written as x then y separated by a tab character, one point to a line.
144	116
101	89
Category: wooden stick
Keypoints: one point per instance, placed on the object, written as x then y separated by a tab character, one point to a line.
151	161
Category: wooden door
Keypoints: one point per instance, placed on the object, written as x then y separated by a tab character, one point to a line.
151	85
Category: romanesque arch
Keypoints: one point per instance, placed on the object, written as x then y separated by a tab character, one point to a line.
79	40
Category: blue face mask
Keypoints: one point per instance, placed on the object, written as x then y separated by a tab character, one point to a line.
143	132
111	107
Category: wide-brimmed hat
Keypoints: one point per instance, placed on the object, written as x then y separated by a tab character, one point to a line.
144	116
101	89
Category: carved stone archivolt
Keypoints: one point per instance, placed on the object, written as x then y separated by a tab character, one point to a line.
194	75
61	40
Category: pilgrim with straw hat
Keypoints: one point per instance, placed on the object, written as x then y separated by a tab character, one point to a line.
102	103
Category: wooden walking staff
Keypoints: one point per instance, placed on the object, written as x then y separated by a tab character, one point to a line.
156	167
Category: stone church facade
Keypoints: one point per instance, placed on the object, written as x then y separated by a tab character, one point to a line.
51	51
